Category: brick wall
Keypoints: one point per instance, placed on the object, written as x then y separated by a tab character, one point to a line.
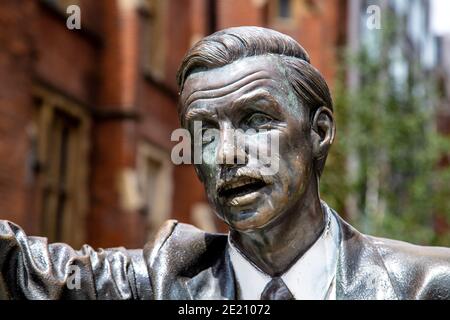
100	68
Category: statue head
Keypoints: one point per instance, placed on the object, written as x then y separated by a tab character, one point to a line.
253	88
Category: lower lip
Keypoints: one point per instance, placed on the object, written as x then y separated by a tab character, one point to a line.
245	199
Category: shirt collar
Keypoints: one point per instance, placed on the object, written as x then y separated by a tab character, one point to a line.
311	277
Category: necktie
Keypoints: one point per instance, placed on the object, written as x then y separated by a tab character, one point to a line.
276	289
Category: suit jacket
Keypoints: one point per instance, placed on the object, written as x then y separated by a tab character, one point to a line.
187	263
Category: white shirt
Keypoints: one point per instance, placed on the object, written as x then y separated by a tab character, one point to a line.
312	277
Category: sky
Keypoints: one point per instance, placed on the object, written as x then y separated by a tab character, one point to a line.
440	16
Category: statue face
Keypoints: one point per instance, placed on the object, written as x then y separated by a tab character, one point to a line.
251	93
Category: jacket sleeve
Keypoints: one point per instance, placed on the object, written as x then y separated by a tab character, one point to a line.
30	268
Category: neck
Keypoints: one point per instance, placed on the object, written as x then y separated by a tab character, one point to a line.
277	246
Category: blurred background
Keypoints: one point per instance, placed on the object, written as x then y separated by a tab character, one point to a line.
86	114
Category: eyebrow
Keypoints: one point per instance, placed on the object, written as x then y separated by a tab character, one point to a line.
198	113
254	97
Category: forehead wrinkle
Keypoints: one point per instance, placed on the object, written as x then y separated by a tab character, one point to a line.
248	86
222	91
213	87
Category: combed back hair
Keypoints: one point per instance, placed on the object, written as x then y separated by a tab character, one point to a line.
229	45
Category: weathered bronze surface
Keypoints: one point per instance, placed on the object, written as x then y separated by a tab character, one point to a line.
239	78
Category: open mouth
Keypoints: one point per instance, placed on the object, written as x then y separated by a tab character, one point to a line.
240	187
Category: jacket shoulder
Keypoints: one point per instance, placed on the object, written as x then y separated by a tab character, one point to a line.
179	253
184	246
418	272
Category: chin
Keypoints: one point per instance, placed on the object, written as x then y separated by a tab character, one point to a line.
249	220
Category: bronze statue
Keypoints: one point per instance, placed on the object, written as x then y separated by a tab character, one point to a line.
284	242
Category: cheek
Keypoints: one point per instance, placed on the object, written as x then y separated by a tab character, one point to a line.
207	174
296	165
208	166
209	153
301	166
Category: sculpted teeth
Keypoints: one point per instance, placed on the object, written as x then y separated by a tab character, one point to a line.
234	202
240	182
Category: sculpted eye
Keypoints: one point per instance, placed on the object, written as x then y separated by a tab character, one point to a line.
204	132
209	133
258	119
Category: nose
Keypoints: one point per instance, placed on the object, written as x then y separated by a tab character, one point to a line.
231	151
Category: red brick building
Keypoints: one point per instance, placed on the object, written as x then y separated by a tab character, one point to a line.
86	115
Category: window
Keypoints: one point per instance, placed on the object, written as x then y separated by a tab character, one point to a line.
284	9
62	155
155	184
281	13
153	33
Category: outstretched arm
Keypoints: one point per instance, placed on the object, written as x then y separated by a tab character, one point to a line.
30	268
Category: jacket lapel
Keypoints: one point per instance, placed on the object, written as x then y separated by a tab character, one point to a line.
214	283
361	273
187	263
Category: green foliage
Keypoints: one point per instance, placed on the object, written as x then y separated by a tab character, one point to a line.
382	173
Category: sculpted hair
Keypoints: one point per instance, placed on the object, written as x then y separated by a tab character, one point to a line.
229	45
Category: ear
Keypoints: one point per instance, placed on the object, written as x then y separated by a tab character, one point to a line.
323	130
